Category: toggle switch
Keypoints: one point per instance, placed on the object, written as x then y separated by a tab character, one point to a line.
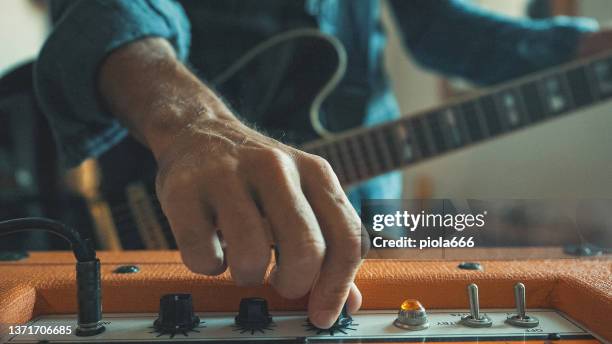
475	319
520	319
411	316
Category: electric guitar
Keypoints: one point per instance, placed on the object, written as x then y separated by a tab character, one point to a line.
127	214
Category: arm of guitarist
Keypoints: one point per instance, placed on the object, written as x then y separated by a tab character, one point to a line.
219	181
458	38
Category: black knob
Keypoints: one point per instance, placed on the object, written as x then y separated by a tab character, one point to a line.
343	323
253	314
176	314
344	319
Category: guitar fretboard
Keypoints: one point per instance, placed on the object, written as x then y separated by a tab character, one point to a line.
364	153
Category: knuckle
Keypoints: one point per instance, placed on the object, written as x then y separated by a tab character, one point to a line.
307	257
334	291
349	251
277	164
275	155
222	170
352	244
178	186
320	168
321	165
311	249
248	269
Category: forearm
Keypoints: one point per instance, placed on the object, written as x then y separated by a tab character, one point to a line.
154	94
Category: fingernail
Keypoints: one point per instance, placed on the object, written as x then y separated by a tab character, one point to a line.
324	319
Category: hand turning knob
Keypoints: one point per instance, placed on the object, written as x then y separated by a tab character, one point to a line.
343	323
176	314
344	319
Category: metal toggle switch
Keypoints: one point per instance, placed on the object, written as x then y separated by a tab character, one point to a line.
475	319
521	319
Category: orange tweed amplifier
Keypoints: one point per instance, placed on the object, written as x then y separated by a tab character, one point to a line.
148	293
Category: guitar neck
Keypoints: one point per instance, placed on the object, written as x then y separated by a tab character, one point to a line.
364	153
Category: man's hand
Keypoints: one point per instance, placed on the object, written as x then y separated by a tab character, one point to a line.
217	175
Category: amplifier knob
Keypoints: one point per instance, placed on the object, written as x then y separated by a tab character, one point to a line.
176	314
253	314
343	324
344	318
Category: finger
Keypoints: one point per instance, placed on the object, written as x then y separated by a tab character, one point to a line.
194	232
247	245
294	226
354	299
341	228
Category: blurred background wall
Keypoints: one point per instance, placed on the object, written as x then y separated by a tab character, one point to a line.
23	27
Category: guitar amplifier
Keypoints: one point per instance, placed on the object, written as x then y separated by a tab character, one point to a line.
567	300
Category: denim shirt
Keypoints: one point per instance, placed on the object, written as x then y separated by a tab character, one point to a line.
452	37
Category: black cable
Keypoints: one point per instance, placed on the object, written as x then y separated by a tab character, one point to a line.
83	249
89	292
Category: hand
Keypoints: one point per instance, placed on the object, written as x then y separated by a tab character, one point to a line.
220	175
595	42
216	175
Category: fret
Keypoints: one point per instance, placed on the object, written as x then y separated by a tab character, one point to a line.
474	124
381	147
412	150
334	160
419	130
394	151
349	162
580	87
365	141
435	130
405	143
532	100
451	123
602	77
510	109
490	114
397	133
555	94
358	156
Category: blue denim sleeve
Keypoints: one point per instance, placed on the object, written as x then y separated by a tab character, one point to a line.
457	38
84	33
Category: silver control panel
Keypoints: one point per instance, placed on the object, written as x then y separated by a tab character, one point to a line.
290	326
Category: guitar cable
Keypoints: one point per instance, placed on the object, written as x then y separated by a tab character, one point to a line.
89	292
323	93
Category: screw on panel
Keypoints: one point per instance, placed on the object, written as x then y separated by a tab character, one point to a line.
127	269
470	266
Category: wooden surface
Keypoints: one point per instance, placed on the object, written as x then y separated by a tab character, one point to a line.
45	284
